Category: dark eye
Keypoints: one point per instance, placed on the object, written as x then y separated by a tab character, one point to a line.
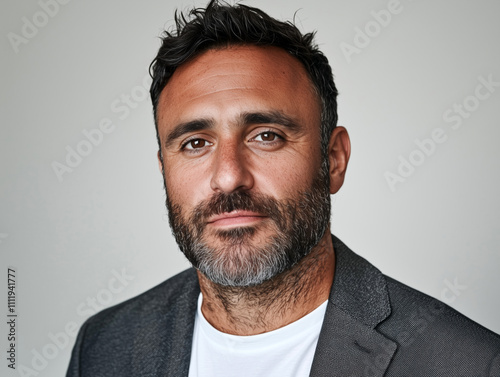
266	136
196	144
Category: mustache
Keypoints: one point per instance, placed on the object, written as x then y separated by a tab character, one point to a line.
239	200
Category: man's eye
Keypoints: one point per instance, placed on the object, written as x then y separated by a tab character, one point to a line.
195	144
267	136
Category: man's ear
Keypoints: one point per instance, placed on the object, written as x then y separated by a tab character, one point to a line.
339	151
160	163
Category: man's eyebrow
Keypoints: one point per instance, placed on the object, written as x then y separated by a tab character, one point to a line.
187	127
269	117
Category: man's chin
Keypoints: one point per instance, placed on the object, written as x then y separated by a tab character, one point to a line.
239	258
236	272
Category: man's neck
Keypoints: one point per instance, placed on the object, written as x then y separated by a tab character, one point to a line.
275	303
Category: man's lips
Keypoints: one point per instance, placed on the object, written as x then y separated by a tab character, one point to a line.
235	218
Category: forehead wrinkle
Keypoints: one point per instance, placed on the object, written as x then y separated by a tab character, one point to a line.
216	91
219	82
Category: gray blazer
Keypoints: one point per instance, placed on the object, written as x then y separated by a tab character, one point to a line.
374	326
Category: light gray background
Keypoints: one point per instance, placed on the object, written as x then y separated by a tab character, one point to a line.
65	238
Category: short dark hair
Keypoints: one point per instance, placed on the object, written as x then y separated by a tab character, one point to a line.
221	24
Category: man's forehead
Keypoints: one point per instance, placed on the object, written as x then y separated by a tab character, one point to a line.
265	65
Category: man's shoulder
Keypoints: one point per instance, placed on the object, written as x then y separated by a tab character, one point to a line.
172	298
417	312
365	290
142	334
423	335
429	330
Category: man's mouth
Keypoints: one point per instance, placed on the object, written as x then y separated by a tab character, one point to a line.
235	219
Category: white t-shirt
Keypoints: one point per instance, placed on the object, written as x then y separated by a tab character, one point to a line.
285	352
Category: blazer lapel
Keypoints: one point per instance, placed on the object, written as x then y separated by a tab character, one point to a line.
348	344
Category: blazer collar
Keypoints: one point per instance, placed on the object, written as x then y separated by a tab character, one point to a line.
348	344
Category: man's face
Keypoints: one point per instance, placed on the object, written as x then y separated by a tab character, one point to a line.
240	141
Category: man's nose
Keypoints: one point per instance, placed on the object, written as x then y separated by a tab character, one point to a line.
231	169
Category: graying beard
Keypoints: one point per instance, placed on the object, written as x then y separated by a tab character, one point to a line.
232	266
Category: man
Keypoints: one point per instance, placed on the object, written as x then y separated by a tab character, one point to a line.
245	112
